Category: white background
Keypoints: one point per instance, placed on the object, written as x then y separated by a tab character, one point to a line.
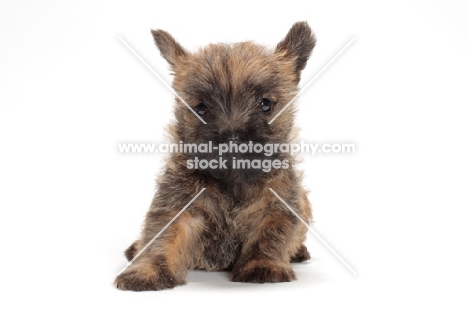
395	210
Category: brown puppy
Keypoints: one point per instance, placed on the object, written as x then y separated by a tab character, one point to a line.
236	224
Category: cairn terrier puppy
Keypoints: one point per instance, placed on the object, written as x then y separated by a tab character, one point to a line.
237	224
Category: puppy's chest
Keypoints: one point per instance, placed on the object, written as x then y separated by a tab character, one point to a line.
221	243
229	220
225	232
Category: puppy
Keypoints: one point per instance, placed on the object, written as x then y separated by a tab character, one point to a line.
236	223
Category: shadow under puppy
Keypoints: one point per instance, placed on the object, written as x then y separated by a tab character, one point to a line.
236	224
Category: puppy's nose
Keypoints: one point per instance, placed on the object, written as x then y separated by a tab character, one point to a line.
228	136
234	138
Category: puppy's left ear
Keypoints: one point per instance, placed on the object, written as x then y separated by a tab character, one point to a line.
297	45
170	49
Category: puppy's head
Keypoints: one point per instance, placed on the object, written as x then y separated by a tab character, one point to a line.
237	89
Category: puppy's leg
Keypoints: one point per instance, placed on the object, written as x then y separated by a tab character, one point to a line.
272	236
265	256
165	262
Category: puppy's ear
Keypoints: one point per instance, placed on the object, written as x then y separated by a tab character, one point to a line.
170	49
297	45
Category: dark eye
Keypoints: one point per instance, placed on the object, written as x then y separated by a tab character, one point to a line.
201	109
266	104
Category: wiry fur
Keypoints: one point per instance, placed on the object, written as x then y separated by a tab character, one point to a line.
236	224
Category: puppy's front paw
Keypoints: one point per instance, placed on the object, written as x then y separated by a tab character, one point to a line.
263	272
143	277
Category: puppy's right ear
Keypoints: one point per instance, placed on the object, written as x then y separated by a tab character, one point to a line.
170	49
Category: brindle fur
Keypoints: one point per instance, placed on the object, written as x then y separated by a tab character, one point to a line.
236	224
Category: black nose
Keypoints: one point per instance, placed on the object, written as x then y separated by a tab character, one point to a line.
234	138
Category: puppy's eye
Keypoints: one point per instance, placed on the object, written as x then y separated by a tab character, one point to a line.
201	109
266	104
